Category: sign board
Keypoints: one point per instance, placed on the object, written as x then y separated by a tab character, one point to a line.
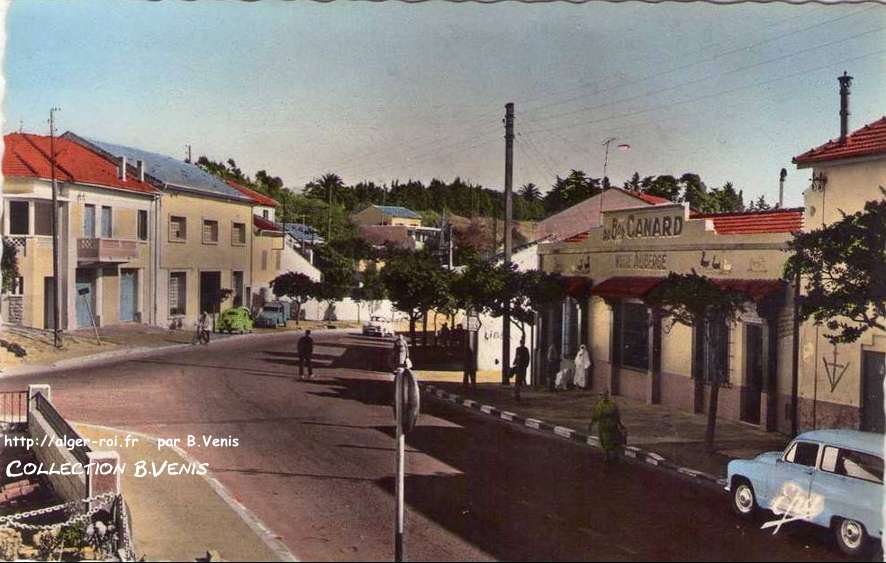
473	324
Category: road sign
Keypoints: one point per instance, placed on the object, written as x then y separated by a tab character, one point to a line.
406	407
473	324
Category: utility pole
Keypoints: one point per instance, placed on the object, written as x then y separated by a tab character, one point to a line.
189	153
509	179
56	297
329	213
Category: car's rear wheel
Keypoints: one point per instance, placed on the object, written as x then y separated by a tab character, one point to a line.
744	500
851	536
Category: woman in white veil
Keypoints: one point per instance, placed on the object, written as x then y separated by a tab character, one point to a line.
582	364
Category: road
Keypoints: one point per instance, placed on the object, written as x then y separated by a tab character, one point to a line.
315	460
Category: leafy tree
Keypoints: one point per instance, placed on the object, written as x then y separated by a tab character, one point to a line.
633	185
695	192
844	266
530	192
760	204
9	265
571	190
695	300
415	282
723	200
298	287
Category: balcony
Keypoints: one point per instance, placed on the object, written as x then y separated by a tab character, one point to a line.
105	251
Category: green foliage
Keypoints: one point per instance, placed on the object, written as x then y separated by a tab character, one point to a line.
295	285
844	266
692	298
9	265
759	204
371	287
415	282
571	190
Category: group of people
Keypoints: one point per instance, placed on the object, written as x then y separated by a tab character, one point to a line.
577	377
451	338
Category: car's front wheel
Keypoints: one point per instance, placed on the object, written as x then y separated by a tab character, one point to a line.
744	501
851	536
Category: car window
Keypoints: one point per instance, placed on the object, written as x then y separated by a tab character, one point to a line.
850	463
802	453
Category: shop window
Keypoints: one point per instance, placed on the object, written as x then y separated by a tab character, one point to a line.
711	354
142	224
43	218
210	232
631	325
178	293
19	222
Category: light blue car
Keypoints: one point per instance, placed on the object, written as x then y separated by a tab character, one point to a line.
832	478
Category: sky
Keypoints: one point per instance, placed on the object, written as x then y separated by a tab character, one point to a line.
380	91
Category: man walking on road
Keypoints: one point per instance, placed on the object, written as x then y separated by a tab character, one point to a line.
305	351
521	363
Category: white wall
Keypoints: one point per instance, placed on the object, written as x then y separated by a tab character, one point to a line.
348	310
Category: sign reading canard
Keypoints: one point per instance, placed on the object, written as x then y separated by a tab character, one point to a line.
643	224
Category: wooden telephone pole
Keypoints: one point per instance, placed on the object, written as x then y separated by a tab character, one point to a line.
509	179
56	297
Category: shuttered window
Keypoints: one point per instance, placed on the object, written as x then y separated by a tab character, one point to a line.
210	232
238	233
178	228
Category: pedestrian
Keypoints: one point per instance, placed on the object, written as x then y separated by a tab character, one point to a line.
612	433
400	354
583	363
202	333
444	335
521	363
553	360
305	352
470	367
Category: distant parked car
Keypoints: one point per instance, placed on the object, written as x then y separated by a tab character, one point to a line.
832	478
272	315
377	326
237	319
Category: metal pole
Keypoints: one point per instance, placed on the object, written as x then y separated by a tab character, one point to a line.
401	466
509	177
56	297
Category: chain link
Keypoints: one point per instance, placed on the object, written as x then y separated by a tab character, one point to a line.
11	520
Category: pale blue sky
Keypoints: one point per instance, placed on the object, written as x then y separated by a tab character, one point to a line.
394	90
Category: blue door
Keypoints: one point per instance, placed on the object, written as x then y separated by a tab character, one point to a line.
128	292
85	298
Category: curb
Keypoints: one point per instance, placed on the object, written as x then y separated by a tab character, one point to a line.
267	536
630	453
137	352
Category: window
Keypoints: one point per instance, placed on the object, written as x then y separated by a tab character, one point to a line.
853	464
89	221
178	293
210	232
631	340
266	214
237	282
802	453
238	233
711	354
107	228
142	224
178	228
43	218
264	259
19	221
279	254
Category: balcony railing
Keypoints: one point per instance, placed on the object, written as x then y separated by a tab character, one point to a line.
108	251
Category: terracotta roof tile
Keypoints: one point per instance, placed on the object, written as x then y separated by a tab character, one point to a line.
26	155
755	222
867	141
259	198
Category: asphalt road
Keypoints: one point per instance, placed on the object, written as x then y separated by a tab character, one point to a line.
315	462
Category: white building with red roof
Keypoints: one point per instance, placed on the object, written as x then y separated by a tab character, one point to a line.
841	386
106	238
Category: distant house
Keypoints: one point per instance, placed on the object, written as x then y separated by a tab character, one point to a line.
387	225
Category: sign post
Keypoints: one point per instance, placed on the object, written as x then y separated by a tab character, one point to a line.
406	408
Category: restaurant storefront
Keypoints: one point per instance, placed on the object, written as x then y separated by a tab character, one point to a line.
640	354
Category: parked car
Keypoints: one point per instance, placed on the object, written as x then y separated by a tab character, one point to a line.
377	326
237	319
273	315
832	478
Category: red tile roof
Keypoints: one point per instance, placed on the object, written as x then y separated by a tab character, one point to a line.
257	197
757	290
626	287
648	198
27	156
867	141
265	225
755	222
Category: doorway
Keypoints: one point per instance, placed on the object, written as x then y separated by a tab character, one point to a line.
210	288
752	392
85	286
872	375
48	303
128	295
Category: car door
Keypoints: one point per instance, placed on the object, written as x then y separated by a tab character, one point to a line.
791	479
850	484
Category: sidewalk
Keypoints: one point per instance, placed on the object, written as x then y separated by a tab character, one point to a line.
181	517
675	435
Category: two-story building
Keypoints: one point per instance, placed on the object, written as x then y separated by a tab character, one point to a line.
382	225
842	385
105	235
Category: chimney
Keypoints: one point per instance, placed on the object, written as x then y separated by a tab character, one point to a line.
845	82
140	166
121	169
781	176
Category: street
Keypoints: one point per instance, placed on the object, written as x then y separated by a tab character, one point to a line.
315	462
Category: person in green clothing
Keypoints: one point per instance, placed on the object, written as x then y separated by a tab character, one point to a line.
611	431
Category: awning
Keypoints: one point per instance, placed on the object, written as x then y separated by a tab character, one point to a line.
757	290
577	287
626	287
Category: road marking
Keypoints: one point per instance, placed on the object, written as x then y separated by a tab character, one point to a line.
533	423
487	409
563	431
506	415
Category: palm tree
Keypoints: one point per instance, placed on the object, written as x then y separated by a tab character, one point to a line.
530	192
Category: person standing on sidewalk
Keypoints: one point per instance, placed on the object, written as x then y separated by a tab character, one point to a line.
305	352
400	354
611	431
521	363
553	361
583	364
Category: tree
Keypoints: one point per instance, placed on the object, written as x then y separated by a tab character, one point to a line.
370	288
9	265
530	192
694	300
844	266
415	282
694	191
297	286
724	200
759	204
